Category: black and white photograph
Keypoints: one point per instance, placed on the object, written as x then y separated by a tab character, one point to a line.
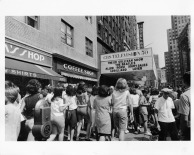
96	82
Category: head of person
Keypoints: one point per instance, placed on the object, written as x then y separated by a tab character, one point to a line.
111	89
173	95
121	84
89	91
166	92
155	91
187	79
94	90
144	92
82	88
103	91
70	90
133	91
136	86
49	89
44	92
57	93
33	86
11	92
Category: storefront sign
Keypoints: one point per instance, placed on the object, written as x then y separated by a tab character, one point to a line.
20	73
27	55
69	68
126	65
130	54
141	43
77	69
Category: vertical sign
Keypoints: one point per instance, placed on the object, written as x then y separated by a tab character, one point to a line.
140	27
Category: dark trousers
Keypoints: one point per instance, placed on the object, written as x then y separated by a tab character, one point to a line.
185	129
136	117
168	128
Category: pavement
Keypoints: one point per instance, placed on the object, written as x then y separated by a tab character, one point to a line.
131	136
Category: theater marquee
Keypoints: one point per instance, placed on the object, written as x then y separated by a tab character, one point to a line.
137	60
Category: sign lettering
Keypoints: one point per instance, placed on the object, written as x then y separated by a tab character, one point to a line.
77	69
126	65
21	73
128	54
20	53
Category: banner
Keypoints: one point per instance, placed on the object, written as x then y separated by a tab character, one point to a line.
140	27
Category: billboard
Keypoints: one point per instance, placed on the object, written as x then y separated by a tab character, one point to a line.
137	60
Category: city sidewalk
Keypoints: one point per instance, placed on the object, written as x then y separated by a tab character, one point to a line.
128	137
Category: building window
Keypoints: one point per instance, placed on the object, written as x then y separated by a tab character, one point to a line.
110	39
99	29
106	36
89	47
33	21
110	22
66	34
89	19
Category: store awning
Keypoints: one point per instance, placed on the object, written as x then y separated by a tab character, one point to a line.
20	68
78	76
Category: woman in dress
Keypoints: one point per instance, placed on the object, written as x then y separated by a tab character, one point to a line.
102	104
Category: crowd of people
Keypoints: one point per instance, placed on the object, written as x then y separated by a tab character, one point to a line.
106	112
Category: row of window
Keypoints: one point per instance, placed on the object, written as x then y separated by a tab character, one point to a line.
66	32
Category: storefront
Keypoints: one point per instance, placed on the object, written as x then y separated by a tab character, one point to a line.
23	63
74	71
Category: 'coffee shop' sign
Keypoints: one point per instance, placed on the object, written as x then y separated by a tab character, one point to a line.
27	55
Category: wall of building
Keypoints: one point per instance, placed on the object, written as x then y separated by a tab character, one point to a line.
48	36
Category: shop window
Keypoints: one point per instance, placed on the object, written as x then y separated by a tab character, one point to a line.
89	19
89	47
33	21
66	34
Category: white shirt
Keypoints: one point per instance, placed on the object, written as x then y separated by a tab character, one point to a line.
55	107
121	99
135	100
164	108
49	97
72	100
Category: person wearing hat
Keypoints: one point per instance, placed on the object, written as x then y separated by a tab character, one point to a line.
164	117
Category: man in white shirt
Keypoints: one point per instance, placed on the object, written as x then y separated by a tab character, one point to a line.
165	119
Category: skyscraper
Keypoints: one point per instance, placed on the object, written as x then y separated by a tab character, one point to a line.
174	74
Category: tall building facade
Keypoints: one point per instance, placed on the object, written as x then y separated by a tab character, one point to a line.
174	73
184	49
168	66
116	34
53	49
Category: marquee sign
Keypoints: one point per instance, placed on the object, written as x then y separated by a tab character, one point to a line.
138	60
